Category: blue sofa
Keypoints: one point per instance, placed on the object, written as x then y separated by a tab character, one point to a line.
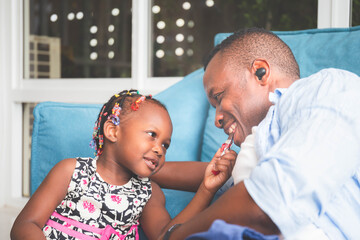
63	130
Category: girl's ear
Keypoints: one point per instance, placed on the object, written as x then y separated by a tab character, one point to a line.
110	131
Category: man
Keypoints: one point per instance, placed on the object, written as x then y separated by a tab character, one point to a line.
307	140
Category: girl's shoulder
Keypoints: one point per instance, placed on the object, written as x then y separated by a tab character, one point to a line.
61	173
67	165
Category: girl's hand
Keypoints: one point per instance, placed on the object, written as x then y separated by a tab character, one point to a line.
219	170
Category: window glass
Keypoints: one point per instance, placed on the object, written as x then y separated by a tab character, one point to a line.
183	31
356	13
78	38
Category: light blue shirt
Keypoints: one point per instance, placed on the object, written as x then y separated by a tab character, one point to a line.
309	151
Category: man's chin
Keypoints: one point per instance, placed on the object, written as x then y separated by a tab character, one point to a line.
237	141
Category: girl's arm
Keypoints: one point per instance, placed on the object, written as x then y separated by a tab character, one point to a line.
155	219
185	176
29	223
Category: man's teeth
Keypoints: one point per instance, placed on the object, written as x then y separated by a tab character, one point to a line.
232	128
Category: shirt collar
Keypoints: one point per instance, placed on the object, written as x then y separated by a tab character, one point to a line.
275	96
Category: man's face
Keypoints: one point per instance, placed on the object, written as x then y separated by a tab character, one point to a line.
240	100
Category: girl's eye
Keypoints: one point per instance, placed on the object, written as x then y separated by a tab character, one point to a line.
152	134
166	146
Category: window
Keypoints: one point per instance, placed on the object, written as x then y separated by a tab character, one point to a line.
356	13
183	31
93	38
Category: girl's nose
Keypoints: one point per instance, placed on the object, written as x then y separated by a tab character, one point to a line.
157	149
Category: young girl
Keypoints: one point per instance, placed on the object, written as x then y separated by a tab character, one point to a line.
109	196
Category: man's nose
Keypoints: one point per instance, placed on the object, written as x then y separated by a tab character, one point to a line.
219	120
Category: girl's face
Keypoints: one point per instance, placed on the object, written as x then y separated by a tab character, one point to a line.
143	139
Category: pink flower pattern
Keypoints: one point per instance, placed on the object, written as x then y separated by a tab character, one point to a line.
90	207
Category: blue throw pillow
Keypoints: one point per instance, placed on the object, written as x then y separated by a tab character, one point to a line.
61	130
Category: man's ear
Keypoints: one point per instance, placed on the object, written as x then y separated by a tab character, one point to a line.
110	131
261	70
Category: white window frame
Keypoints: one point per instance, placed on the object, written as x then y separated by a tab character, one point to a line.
14	90
334	13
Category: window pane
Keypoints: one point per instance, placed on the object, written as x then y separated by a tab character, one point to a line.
356	13
78	38
183	31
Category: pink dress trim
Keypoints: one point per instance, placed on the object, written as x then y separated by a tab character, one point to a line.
105	233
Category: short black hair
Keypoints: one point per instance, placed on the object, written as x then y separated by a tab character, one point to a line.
245	45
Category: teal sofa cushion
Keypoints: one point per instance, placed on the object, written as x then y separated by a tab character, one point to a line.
60	130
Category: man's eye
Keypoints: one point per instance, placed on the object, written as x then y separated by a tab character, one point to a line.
217	96
152	134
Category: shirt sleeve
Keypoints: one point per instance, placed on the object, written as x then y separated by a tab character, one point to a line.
316	152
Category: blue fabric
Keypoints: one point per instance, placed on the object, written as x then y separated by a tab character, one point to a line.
176	200
60	130
308	147
316	49
224	231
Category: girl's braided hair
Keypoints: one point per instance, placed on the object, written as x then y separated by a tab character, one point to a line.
118	105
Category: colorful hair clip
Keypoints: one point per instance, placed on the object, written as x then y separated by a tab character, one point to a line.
101	141
99	152
135	105
92	143
115	116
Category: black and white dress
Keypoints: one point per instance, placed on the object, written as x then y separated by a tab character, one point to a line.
94	209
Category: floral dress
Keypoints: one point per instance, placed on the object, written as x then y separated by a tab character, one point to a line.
94	209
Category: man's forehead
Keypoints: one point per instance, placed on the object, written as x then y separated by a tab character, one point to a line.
209	82
215	76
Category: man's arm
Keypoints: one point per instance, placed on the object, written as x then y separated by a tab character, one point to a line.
236	207
186	176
